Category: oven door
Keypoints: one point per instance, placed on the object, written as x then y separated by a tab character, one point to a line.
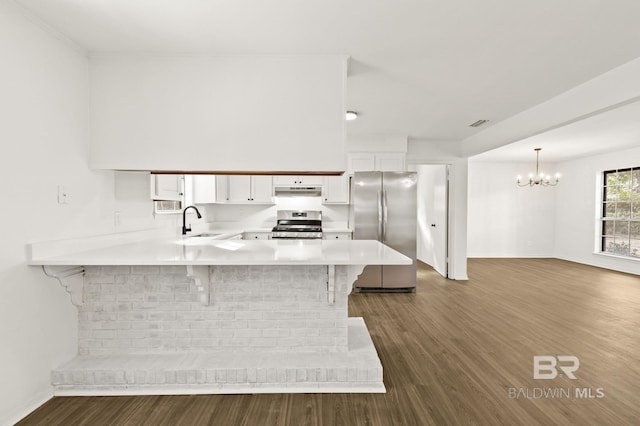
296	235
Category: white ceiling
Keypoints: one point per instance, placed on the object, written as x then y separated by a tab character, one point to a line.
608	131
424	68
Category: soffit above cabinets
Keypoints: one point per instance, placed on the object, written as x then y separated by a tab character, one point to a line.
228	114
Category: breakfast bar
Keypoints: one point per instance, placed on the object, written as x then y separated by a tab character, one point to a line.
204	315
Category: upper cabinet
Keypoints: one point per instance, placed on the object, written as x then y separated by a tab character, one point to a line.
166	187
217	113
297	180
378	161
203	188
244	189
335	190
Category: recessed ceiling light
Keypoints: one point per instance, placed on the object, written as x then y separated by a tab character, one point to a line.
351	115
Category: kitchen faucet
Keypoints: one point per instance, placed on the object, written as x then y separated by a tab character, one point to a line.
184	219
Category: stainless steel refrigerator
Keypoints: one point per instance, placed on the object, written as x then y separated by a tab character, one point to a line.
384	209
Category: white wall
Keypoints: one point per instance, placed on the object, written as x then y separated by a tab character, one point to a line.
577	209
224	113
505	220
43	82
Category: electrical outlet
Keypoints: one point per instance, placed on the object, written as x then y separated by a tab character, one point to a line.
62	195
116	219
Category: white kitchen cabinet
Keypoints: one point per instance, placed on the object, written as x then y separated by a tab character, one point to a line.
242	189
222	189
390	162
253	235
335	190
361	162
239	189
378	161
166	187
203	189
336	235
298	180
262	189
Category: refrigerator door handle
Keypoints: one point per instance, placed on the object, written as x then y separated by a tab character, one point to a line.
384	216
380	215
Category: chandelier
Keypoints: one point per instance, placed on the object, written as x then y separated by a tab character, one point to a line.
539	178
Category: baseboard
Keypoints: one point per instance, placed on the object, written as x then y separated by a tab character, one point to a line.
511	256
28	408
603	264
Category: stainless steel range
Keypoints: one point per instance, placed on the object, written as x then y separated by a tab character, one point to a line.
298	225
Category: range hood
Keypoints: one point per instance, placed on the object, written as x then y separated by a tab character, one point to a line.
302	191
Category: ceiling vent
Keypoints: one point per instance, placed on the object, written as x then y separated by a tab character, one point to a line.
478	123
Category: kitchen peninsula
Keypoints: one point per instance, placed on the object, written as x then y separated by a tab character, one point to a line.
204	315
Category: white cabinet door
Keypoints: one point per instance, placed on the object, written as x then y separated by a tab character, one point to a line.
166	187
244	189
297	180
204	189
335	190
361	162
262	189
380	161
285	180
239	189
310	180
222	189
390	162
336	235
256	236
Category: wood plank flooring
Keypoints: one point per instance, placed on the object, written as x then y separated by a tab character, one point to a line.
450	353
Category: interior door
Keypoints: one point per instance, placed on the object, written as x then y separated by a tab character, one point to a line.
433	201
439	211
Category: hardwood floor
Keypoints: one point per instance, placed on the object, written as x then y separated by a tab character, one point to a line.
451	352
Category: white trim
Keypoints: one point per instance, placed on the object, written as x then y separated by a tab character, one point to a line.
457	251
615	268
326	387
615	256
510	256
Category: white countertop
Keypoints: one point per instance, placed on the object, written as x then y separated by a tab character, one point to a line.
213	251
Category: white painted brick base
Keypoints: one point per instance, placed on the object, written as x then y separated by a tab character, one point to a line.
157	309
357	370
